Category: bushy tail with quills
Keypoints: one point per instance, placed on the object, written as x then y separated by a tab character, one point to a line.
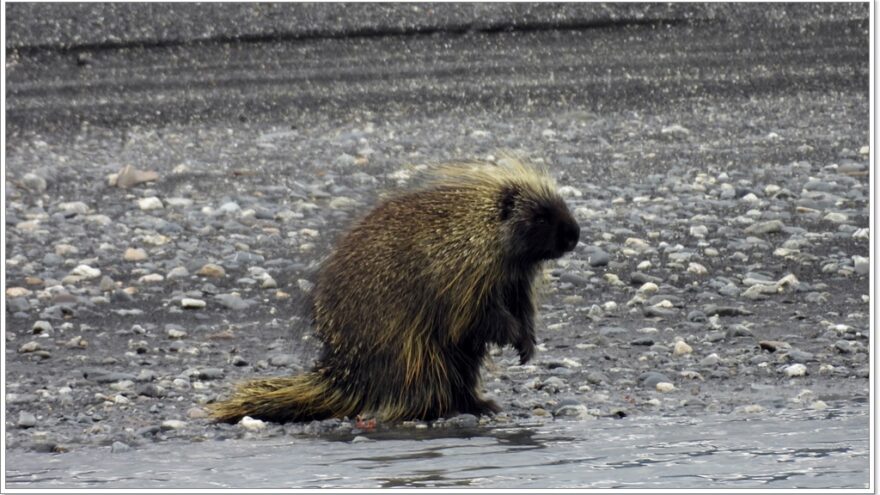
298	398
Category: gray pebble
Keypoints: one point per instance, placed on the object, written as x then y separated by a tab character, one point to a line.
611	331
598	257
233	302
571	411
463	421
650	379
799	356
17	304
119	447
768	227
844	346
697	316
26	420
210	373
281	360
655	312
639	278
596	377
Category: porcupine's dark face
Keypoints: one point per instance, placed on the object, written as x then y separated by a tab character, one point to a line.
542	230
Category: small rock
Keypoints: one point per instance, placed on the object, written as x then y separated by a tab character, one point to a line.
675	131
681	348
34	182
196	413
151	278
233	302
251	424
862	264
650	379
664	387
177	272
150	203
768	227
18	292
211	270
172	424
190	303
130	176
31	346
361	439
697	269
773	345
795	370
463	421
750	409
699	231
42	327
710	360
835	217
843	346
26	420
85	272
818	405
119	447
134	254
174	333
598	257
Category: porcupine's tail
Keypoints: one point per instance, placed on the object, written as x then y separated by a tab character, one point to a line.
303	397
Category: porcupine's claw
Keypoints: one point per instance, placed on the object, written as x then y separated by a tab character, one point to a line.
526	350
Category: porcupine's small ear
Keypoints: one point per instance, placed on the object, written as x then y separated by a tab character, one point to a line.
507	202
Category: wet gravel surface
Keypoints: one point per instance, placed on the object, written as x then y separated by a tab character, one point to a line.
720	176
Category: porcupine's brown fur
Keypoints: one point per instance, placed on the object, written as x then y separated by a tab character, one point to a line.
413	295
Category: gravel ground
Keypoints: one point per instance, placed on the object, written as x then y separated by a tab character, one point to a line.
720	175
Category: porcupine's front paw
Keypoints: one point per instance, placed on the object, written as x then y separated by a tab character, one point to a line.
526	349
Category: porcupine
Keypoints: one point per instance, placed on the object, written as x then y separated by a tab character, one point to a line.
414	294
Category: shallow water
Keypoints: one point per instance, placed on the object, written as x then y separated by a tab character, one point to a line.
788	449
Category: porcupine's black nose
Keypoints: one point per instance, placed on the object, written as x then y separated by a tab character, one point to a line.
569	234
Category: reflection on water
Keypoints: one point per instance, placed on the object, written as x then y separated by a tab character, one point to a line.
794	449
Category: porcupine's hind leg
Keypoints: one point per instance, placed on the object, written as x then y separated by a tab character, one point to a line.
465	360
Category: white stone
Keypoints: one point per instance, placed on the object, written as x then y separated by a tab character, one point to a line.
862	264
665	387
173	424
18	292
251	424
86	272
771	189
795	370
187	302
751	409
648	288
862	234
699	231
835	217
569	192
644	265
636	244
77	207
174	333
750	198
697	269
151	203
865	150
681	348
177	272
134	254
179	202
151	278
